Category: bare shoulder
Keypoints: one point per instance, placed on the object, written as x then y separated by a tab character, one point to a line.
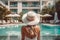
37	27
23	28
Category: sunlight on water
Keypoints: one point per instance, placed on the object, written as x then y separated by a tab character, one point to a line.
13	32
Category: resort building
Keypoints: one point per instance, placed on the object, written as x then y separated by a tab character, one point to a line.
24	6
13	31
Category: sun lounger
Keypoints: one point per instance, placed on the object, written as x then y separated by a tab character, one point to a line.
4	22
0	21
57	21
52	21
11	21
44	21
16	21
8	21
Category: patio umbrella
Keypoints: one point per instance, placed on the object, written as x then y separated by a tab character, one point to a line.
47	15
40	15
13	15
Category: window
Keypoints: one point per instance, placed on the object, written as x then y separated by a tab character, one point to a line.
6	3
36	10
35	4
24	4
14	10
13	4
25	10
31	4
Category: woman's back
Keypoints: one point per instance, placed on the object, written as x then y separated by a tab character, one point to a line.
31	34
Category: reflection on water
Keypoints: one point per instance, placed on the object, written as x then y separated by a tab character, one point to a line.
19	38
3	37
14	38
10	38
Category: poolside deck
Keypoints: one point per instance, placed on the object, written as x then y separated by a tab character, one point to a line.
51	24
12	24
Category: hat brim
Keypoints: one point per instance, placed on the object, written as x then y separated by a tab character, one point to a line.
35	22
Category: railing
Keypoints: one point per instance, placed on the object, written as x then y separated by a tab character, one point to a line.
31	7
30	0
23	0
13	7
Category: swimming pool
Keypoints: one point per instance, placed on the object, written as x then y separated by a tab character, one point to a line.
50	32
50	29
13	32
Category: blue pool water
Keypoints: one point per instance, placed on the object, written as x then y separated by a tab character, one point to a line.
48	32
50	29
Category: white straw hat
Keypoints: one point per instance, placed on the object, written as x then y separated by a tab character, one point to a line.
31	13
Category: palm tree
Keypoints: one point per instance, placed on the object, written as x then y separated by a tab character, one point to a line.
57	5
3	12
47	10
21	14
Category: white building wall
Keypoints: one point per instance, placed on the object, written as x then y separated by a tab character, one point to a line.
9	5
19	7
